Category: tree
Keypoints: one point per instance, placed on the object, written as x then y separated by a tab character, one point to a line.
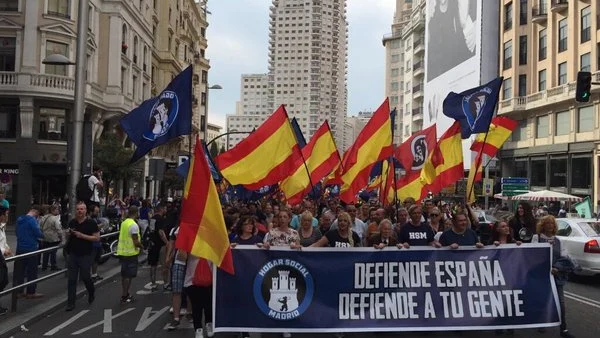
222	150
113	159
214	150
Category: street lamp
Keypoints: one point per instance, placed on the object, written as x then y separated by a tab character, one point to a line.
78	113
205	126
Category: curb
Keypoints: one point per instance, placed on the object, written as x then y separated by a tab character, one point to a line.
13	325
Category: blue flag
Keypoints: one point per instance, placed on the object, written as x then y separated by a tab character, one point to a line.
298	132
474	108
162	118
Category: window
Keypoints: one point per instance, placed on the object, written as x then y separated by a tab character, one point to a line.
522	85
522	12
508	54
135	49
521	166
394	85
542	45
8	120
394	71
170	41
508	8
542	126
585	63
585	119
563	123
52	124
520	133
204	76
395	58
538	172
542	80
507	89
562	73
123	80
61	8
9	5
562	35
523	49
7	54
135	88
586	24
558	172
395	44
581	169
56	48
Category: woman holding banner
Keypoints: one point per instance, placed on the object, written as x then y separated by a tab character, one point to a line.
246	233
562	265
342	237
282	235
501	234
307	234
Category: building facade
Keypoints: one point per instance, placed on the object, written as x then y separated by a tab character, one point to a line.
306	67
37	99
543	46
405	67
214	131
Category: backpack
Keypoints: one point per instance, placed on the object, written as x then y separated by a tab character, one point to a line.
82	190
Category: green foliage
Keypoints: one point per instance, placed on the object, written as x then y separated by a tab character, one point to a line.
222	150
214	149
113	159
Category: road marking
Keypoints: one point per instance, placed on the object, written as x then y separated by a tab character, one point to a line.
67	323
106	322
145	320
582	299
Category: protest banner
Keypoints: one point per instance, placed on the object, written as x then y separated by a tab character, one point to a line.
364	289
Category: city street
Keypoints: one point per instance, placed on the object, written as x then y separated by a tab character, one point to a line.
148	315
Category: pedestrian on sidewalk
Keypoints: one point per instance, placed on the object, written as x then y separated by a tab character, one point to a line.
28	233
53	236
128	250
82	233
4	252
97	254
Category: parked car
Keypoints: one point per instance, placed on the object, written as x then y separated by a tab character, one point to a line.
581	239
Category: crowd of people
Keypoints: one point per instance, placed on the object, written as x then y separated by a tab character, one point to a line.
153	226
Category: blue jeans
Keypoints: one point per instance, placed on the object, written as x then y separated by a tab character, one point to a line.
78	266
26	267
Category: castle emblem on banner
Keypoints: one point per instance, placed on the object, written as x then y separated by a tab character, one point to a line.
284	294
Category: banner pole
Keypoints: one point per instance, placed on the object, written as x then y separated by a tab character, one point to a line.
479	160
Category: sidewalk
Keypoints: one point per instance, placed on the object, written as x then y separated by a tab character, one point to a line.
54	289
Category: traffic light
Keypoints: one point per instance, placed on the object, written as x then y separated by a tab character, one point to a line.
584	87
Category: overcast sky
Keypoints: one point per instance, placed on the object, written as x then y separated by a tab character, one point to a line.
238	44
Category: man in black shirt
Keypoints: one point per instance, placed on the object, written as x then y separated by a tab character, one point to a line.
81	232
460	234
415	232
158	241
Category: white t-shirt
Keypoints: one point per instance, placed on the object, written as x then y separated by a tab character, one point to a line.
134	229
92	183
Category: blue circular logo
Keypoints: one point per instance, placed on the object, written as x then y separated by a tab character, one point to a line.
163	115
283	289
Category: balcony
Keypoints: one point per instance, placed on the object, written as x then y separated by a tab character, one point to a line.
417	117
418	68
539	14
418	91
44	85
562	94
559	5
418	22
419	47
417	110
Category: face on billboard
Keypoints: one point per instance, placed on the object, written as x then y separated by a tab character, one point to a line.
451	28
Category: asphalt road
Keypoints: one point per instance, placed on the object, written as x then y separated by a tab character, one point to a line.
149	315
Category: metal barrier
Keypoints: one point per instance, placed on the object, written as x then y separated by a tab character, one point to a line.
14	289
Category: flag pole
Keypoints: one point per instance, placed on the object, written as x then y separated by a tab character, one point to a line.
479	160
312	187
192	116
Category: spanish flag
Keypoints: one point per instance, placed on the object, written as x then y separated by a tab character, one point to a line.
499	132
374	143
265	157
410	185
444	165
202	229
475	175
321	156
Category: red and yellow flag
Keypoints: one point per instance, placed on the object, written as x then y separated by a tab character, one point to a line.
499	132
321	156
265	157
444	165
202	229
374	143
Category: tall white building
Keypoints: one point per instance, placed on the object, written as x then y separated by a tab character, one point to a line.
307	68
251	110
405	67
353	126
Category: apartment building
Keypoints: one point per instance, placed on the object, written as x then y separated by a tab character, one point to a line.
405	67
251	110
543	46
306	67
37	99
